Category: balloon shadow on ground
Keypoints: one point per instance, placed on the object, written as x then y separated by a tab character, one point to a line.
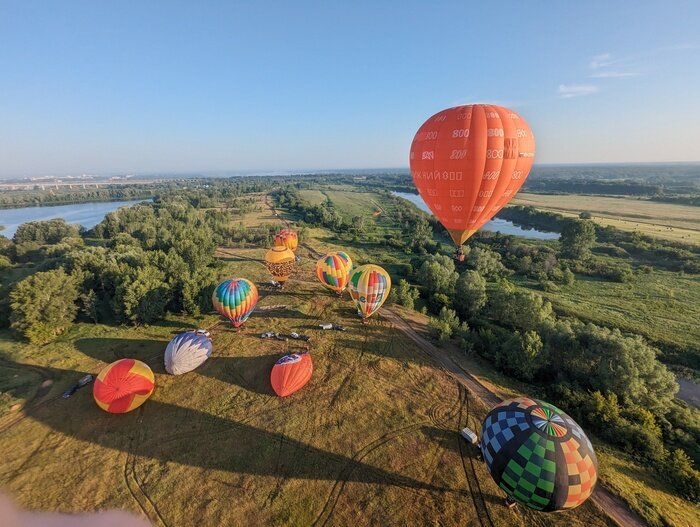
250	373
170	433
110	349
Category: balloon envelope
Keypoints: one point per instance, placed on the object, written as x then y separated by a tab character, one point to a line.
538	455
291	373
289	238
123	386
235	299
468	162
187	351
369	287
280	262
333	271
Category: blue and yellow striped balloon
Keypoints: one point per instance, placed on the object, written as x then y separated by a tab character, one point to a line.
369	287
235	299
333	271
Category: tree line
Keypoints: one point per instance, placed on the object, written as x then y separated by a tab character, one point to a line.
133	267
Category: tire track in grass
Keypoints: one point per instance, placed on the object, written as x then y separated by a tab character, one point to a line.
135	488
480	508
327	512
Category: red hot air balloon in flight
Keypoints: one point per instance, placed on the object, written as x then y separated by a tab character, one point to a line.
468	162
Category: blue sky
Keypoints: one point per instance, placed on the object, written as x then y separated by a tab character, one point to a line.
146	86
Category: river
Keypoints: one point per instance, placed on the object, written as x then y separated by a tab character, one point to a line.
86	214
497	225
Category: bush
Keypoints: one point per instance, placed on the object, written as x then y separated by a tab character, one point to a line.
438	301
470	294
519	355
406	294
445	325
678	470
43	305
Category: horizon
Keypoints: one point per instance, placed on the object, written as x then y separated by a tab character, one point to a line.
98	89
282	172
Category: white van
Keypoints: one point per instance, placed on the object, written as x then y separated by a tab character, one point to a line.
469	435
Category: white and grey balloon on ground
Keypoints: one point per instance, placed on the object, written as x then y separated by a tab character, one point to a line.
187	351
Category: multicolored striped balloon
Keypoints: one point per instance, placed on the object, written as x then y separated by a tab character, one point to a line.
333	271
369	287
538	455
123	386
235	299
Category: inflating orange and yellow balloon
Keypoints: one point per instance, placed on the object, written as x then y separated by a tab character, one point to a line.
123	386
280	262
468	162
333	271
289	238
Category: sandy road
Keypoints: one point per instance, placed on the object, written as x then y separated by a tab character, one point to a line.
602	497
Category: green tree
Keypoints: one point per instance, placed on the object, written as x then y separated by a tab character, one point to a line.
445	325
406	294
520	355
142	298
43	305
487	263
568	277
522	310
45	232
577	238
470	294
358	224
680	472
437	274
603	359
419	232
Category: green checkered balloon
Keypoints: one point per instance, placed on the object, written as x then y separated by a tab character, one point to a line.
538	455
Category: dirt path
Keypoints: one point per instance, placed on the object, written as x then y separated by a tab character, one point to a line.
603	498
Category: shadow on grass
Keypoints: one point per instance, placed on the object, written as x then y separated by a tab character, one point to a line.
250	373
170	433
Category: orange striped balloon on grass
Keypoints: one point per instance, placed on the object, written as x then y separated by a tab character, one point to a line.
123	386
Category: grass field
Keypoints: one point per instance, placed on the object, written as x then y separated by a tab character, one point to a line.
371	440
349	202
663	220
662	306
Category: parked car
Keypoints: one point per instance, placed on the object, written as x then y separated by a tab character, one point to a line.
267	335
84	381
338	327
296	336
326	326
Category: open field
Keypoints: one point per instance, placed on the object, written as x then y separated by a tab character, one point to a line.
349	202
662	306
371	440
663	220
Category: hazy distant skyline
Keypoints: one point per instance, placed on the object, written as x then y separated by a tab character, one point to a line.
97	87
